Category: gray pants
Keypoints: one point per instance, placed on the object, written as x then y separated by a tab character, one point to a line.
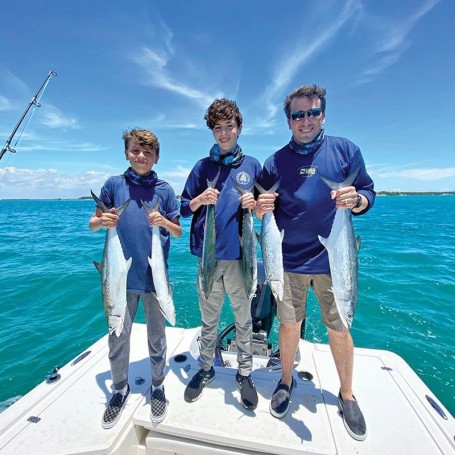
228	279
119	347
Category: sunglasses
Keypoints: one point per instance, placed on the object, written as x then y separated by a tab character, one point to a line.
300	115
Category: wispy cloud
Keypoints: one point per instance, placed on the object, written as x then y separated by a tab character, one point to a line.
287	69
5	104
54	118
394	43
154	60
425	174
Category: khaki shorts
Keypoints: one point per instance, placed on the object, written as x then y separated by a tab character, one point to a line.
293	307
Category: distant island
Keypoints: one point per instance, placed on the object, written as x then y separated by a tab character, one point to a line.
381	193
415	193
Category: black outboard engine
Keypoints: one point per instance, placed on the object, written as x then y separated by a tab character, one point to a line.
263	311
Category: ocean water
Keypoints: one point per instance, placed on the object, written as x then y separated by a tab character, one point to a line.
51	307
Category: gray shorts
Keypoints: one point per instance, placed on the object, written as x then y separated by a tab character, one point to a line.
293	307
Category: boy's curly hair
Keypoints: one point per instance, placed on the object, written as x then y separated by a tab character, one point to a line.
222	109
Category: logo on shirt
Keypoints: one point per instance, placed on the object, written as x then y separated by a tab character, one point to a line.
243	178
307	171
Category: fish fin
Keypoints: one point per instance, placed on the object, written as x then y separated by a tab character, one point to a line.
358	243
98	266
122	207
271	190
322	240
337	185
282	234
99	202
212	184
242	190
128	263
258	237
150	261
148	208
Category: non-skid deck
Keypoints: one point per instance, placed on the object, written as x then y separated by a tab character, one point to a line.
65	417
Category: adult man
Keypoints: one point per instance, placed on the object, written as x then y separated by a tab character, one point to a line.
227	167
304	208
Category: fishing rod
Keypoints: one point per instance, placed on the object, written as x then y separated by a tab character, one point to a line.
33	102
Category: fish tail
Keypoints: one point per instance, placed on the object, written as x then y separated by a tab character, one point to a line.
337	185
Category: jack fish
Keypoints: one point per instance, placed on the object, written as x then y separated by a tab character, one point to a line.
272	254
160	275
207	276
248	243
114	272
342	247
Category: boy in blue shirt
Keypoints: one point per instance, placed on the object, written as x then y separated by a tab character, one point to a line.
226	160
134	228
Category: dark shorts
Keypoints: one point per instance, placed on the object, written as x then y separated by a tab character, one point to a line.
293	307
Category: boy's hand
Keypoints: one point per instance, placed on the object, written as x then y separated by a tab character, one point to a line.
247	201
109	220
156	219
209	196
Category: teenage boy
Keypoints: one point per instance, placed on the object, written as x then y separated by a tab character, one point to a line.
226	160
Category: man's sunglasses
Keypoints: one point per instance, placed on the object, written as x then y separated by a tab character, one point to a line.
300	115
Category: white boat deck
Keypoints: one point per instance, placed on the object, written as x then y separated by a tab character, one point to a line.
399	418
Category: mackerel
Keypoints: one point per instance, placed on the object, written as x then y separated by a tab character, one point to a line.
271	240
208	263
342	247
163	289
249	249
114	272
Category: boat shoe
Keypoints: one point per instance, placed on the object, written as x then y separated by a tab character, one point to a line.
158	405
353	418
114	409
194	389
279	404
248	393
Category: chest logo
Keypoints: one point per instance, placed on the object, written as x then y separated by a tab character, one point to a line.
307	171
243	178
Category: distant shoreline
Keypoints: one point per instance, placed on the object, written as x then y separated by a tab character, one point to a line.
379	193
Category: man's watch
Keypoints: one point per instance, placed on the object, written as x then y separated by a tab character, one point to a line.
359	201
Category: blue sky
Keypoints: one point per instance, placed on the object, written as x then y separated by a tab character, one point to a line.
387	65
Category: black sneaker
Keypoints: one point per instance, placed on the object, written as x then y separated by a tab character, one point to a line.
248	393
279	404
158	405
353	419
194	389
114	409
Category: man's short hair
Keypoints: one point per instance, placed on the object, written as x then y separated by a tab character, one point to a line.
144	138
222	109
311	91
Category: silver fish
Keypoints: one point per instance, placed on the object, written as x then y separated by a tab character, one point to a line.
207	276
249	250
272	254
114	272
342	247
163	289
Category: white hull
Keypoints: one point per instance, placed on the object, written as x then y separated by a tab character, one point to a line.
399	418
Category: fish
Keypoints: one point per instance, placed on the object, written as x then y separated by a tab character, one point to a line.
163	289
114	272
271	240
342	246
248	244
209	262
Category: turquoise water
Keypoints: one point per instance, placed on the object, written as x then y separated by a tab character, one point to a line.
51	306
